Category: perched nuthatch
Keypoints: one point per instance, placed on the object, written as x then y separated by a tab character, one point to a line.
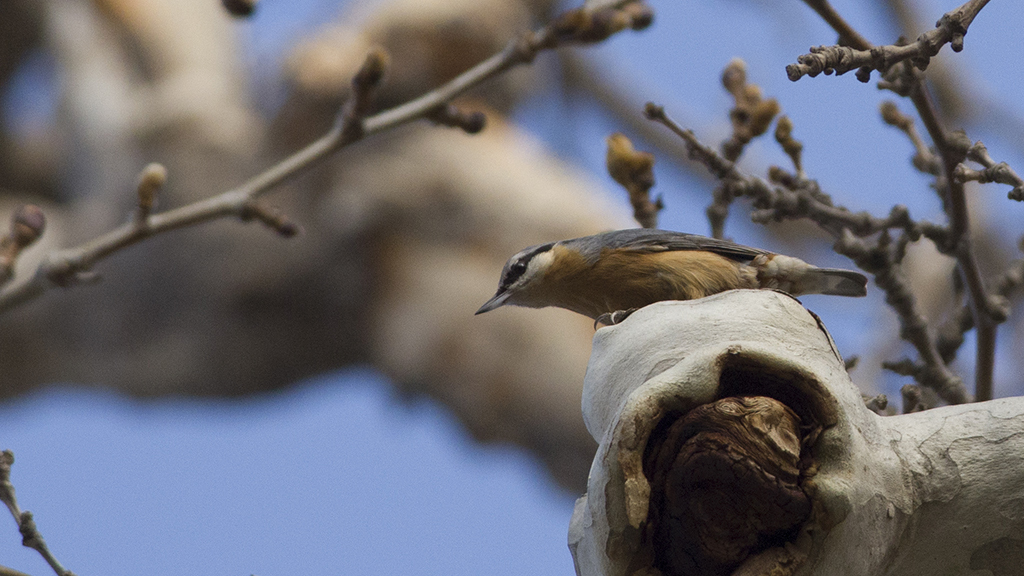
628	269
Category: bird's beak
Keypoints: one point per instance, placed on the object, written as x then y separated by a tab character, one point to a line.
495	302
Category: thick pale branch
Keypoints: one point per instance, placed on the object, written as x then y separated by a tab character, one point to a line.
893	485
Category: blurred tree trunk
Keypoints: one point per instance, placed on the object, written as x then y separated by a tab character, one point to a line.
404	235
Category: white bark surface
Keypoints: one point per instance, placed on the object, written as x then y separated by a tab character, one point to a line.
936	492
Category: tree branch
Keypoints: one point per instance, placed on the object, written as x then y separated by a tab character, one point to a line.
859	55
951	150
578	26
802	198
30	536
993	172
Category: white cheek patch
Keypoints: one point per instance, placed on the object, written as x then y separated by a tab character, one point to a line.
538	265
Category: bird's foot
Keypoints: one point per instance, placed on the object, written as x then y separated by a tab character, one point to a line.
613	318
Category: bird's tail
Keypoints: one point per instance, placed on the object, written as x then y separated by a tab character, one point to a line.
835	281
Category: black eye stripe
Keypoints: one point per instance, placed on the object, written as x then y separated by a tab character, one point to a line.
517	268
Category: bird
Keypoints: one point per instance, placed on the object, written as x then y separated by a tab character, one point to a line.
606	276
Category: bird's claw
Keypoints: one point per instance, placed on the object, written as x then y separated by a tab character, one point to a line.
613	318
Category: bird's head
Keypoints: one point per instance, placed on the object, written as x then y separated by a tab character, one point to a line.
522	279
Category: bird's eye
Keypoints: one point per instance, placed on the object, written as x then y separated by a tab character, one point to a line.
515	270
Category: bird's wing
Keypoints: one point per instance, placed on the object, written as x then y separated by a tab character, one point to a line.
648	240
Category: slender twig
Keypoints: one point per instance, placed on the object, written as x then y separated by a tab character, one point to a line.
924	160
30	536
790	145
951	333
578	26
859	55
883	261
451	116
802	198
960	244
994	172
848	36
779	203
750	116
950	28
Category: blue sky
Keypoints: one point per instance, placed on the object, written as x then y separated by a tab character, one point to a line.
337	475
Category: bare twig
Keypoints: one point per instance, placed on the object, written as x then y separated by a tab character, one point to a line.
924	159
883	261
450	116
802	198
634	171
993	172
986	312
859	55
578	26
30	536
848	36
951	333
66	267
720	167
272	218
909	82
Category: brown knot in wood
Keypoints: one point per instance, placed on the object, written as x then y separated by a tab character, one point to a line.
725	485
